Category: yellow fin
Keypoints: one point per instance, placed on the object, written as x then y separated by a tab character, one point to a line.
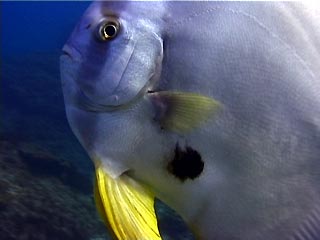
100	208
181	111
126	207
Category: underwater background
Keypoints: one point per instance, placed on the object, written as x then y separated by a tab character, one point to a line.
46	178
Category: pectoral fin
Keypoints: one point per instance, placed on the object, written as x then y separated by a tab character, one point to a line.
126	207
181	111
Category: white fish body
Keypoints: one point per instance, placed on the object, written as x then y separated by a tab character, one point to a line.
260	151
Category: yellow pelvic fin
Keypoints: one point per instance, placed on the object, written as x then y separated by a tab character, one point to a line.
181	111
126	207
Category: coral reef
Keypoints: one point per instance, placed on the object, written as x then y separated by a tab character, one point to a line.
43	197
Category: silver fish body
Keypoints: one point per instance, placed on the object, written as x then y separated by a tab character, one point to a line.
261	151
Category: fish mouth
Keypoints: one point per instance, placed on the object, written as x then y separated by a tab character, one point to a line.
66	51
70	52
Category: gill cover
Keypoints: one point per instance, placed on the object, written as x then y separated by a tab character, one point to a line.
114	53
126	207
122	68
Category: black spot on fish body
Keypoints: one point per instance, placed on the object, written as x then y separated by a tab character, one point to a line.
186	163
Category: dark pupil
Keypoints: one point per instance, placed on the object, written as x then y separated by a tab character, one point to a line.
109	30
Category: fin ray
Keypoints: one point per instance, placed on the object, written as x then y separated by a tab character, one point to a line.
181	111
126	207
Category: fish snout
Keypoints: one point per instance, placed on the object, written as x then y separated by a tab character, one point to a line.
66	52
71	52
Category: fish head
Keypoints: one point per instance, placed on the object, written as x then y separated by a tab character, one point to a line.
112	55
112	58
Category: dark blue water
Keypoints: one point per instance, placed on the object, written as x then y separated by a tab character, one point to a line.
29	27
45	175
32	35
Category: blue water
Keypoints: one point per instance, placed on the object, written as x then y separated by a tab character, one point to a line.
29	27
45	175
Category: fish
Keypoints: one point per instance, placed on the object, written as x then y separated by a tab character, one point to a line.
211	107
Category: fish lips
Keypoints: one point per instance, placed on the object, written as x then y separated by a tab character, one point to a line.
70	52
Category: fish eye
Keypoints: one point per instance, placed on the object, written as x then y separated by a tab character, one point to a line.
108	30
